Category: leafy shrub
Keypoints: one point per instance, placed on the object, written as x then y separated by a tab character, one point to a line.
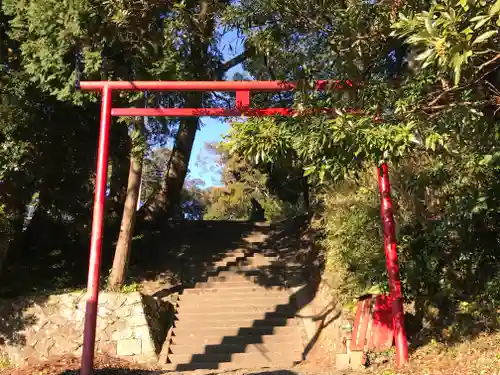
5	233
353	241
447	226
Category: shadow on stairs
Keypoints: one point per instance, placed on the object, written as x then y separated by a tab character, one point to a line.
241	316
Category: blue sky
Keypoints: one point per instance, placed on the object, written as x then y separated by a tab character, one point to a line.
202	164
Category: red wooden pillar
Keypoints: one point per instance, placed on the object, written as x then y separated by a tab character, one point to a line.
392	265
96	236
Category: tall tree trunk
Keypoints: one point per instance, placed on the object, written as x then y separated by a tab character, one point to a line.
15	195
120	165
123	246
3	37
169	193
10	240
306	195
200	17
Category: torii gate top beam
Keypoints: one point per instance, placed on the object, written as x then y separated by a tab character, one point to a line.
220	86
243	90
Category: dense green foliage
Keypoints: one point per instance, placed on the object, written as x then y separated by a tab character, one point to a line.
242	182
48	130
455	37
193	201
47	148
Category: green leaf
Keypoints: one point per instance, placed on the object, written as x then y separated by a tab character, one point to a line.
467	54
495	8
322	173
485	36
486	160
467	31
456	75
427	63
457	65
490	159
452	14
478	18
447	16
482	22
309	170
429	27
424	55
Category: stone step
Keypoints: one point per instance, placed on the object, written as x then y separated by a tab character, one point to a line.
236	254
261	280
193	366
249	260
236	348
267	254
244	262
258	252
284	309
242	359
222	332
203	301
241	273
248	288
194	305
224	316
221	294
236	285
232	277
285	338
258	259
239	314
230	255
247	270
249	321
228	259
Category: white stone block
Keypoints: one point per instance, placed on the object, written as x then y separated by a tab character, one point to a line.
129	347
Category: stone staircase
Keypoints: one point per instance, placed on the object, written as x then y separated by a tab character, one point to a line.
240	315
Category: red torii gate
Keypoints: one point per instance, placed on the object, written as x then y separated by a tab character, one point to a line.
243	90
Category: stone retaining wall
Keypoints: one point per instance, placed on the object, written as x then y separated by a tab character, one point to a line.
325	324
128	326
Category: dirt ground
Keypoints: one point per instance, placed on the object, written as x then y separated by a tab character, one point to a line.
70	365
112	366
480	356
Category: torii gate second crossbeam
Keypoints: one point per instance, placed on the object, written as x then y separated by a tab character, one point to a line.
243	90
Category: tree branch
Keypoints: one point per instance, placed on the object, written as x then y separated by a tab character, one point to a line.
439	97
489	62
224	67
223	98
448	90
451	105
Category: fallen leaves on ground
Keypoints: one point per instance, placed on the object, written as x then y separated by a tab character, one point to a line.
479	356
70	365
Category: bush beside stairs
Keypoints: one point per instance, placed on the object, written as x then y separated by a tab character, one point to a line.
241	315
